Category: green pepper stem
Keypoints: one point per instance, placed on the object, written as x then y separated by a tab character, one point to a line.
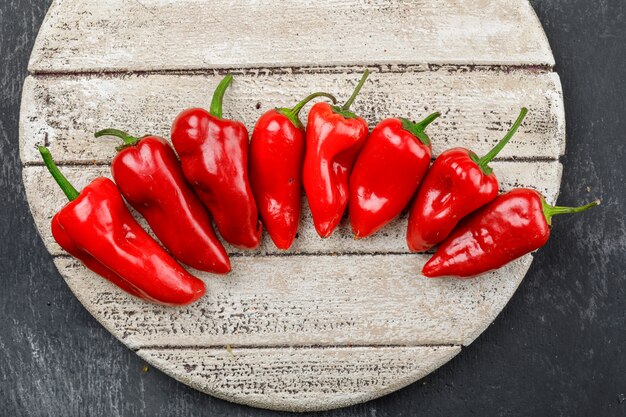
218	96
357	90
484	161
293	113
298	107
128	139
550	211
68	189
417	129
427	121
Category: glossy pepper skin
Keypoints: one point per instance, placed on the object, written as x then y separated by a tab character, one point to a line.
149	176
214	155
387	173
512	225
97	228
458	183
276	154
334	138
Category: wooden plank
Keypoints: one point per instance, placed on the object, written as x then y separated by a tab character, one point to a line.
299	379
307	300
146	35
46	199
478	107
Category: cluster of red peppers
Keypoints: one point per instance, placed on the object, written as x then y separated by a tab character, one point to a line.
243	184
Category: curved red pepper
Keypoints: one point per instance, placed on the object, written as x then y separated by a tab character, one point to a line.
97	228
214	155
149	176
334	138
512	225
387	173
276	154
458	183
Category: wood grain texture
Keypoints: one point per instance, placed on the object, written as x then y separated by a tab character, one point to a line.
289	378
478	107
307	300
146	35
46	199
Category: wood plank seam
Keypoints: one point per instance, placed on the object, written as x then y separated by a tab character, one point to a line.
256	253
300	346
100	163
309	70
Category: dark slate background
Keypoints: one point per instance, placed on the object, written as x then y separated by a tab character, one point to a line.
558	349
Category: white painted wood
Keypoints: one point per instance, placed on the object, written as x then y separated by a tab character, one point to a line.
46	199
145	35
289	379
478	107
333	322
307	300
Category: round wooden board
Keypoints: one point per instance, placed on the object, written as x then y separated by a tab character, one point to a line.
331	322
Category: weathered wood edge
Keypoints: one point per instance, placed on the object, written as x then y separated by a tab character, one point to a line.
516	39
427	360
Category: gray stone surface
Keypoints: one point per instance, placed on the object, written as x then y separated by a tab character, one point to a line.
558	348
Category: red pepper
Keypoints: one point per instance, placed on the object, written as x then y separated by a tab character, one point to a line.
334	138
97	228
149	176
214	156
514	224
387	173
276	154
458	183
